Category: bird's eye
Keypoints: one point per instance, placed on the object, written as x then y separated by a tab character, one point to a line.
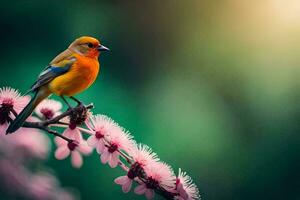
90	45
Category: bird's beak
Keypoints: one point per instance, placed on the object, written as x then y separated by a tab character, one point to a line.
103	48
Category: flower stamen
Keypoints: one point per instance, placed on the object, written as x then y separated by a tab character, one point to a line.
151	183
48	113
72	146
99	135
112	148
5	109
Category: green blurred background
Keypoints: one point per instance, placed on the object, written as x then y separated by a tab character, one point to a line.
211	86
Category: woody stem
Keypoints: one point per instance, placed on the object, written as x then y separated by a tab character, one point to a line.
44	125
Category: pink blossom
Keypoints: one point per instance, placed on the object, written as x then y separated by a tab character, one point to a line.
10	99
48	109
109	139
111	156
125	182
30	140
46	187
102	126
73	134
13	176
142	156
42	186
143	189
75	148
25	143
185	187
158	174
117	140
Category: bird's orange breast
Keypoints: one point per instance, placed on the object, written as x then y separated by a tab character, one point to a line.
80	76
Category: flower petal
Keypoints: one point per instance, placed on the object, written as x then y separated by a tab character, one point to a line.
105	156
76	159
100	146
3	128
149	194
121	180
84	148
59	141
113	159
62	152
182	191
127	186
92	141
140	189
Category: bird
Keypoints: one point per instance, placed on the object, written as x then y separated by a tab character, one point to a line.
68	74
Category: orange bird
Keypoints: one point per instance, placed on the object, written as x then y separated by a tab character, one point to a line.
69	73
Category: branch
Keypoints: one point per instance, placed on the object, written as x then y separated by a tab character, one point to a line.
56	120
80	111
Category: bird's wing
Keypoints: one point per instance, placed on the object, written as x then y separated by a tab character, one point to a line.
52	71
66	54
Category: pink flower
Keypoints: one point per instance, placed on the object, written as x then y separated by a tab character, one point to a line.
26	142
142	156
45	186
102	126
109	139
125	182
13	176
117	140
185	187
21	183
48	109
75	148
30	140
42	186
73	134
143	189
159	174
10	100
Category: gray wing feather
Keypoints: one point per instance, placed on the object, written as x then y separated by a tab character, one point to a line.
49	73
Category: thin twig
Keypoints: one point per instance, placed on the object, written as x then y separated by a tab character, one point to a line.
44	125
127	158
14	112
123	166
58	135
67	113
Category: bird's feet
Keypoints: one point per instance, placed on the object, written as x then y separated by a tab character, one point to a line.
69	106
78	115
79	103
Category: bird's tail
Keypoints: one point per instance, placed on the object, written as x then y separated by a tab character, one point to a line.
26	112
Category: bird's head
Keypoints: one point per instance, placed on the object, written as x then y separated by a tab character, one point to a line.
87	46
